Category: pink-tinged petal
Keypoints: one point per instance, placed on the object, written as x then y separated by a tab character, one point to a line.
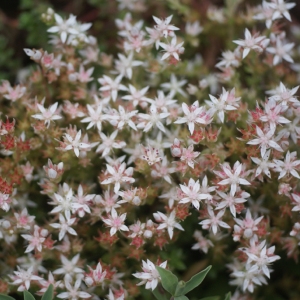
191	126
295	173
113	231
246	52
196	204
84	295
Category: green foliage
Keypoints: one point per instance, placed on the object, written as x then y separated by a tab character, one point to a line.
179	7
5	297
169	282
228	296
28	296
30	21
231	7
193	282
178	289
49	293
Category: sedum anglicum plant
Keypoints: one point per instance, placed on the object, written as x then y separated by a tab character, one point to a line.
147	155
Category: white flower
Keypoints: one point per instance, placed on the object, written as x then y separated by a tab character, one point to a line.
228	200
214	221
33	54
188	155
262	259
125	64
267	13
123	118
117	175
296	199
284	95
116	222
151	155
265	141
73	293
95	116
248	225
63	203
75	143
64	225
36	239
137	96
192	193
281	8
202	243
24	220
174	86
5	201
22	278
111	295
219	105
152	119
229	59
193	29
288	165
81	204
108	143
273	113
70	30
263	164
111	87
164	27
234	177
281	51
248	278
251	42
150	276
172	49
69	268
15	93
64	27
47	115
96	276
168	222
193	115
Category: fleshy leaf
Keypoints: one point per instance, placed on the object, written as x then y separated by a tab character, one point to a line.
181	298
49	293
28	296
180	287
5	297
193	282
168	280
160	293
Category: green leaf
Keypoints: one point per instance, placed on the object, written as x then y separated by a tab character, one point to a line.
49	293
211	298
193	282
160	293
231	7
4	297
28	296
181	298
177	5
180	287
228	296
168	280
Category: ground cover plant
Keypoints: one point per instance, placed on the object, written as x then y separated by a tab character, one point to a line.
159	143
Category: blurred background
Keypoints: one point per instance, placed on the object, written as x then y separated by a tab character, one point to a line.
21	25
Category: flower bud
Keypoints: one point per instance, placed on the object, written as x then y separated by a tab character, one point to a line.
148	234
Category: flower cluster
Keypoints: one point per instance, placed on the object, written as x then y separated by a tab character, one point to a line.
113	161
